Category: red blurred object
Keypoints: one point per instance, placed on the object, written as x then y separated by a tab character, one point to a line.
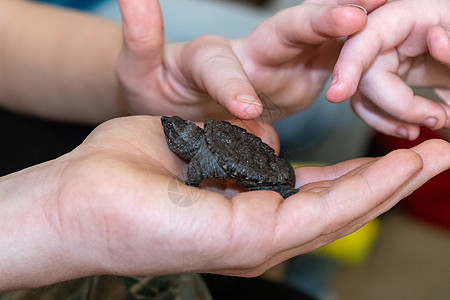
431	202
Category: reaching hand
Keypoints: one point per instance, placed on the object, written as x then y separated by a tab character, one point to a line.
289	57
405	43
115	206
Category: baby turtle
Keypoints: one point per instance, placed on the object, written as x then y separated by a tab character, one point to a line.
226	151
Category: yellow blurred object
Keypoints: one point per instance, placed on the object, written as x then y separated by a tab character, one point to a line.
354	248
297	164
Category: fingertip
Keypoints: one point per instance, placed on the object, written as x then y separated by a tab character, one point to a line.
439	115
332	95
435	157
246	106
413	133
356	6
446	107
352	16
346	77
371	5
380	121
337	91
438	146
405	131
439	44
142	22
390	172
339	21
410	160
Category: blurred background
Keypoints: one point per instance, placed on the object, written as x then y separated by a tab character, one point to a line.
405	254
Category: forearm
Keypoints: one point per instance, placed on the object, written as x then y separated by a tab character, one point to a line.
57	63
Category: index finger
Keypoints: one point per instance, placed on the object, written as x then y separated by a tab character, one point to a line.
360	196
291	31
343	211
143	33
385	30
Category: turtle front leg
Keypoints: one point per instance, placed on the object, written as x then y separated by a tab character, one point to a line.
285	191
194	173
199	168
202	166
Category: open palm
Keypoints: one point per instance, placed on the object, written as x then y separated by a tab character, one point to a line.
115	206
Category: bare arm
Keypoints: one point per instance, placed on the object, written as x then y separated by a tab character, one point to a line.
57	63
62	64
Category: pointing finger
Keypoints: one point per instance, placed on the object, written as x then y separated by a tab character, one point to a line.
292	31
143	34
211	64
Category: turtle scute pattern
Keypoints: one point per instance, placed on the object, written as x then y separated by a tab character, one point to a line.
229	151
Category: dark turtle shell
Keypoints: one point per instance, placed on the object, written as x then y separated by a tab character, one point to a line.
222	150
245	157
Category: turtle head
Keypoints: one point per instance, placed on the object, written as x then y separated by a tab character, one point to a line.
183	137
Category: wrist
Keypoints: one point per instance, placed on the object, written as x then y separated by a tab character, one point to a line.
33	250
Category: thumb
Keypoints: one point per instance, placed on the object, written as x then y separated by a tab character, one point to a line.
438	40
143	34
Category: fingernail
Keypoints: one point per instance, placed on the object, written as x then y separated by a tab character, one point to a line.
249	100
355	5
334	79
430	122
402	132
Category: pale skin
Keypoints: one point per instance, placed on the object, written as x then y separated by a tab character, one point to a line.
406	43
104	208
158	78
196	80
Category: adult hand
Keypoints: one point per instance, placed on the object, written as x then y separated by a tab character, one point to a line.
289	57
405	43
112	206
